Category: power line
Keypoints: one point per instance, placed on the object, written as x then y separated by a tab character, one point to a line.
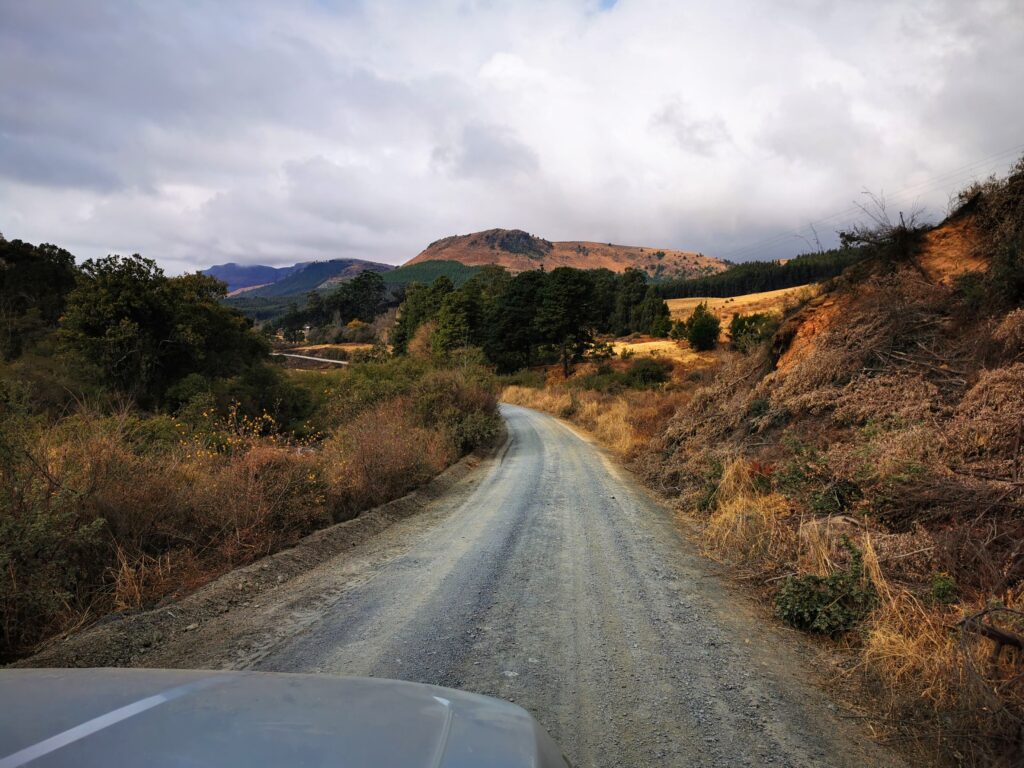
943	180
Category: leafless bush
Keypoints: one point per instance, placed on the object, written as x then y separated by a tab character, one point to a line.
382	454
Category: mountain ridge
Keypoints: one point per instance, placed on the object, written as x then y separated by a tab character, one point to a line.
519	251
297	279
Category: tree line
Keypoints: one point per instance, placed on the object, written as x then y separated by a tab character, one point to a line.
531	318
758	276
118	326
361	298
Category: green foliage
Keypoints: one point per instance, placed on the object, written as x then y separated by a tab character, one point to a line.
837	496
758	276
648	372
533	317
34	283
146	331
425	272
758	407
998	208
45	548
564	319
524	378
361	298
457	319
944	589
829	605
460	401
710	481
702	329
422	303
750	331
972	289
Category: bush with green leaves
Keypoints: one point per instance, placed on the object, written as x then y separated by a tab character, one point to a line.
944	589
828	605
702	328
648	372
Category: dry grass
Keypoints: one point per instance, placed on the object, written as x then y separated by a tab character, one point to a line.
773	302
344	347
117	512
667	349
622	423
747	525
381	455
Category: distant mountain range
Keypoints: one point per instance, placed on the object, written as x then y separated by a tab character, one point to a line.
458	258
519	251
262	281
238	276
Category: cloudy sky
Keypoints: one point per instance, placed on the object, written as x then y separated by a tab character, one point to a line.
259	132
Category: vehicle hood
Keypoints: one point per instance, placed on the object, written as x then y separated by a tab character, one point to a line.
136	717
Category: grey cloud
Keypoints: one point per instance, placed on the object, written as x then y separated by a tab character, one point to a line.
487	152
817	126
259	131
695	135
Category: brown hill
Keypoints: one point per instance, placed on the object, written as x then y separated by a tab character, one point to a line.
520	251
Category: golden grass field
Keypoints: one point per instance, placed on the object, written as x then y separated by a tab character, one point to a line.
676	351
724	309
347	347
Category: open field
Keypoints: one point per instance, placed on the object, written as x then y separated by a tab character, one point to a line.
319	349
724	309
676	351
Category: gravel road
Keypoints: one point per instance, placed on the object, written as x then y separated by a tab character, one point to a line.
549	578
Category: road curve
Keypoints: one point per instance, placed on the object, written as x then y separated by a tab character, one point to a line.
552	580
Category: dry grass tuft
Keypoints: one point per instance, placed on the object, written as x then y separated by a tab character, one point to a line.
747	525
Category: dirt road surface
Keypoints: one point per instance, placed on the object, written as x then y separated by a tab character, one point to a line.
549	578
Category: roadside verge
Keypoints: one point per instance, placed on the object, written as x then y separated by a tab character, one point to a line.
123	640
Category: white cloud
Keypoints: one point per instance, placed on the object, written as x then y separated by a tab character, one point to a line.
265	132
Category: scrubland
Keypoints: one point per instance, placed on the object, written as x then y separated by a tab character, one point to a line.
111	508
862	472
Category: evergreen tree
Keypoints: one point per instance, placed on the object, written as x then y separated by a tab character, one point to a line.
702	329
564	318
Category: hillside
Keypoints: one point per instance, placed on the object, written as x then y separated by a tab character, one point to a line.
519	251
774	302
861	470
314	275
240	276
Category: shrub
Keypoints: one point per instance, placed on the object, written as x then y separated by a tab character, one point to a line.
381	455
524	378
647	372
944	588
702	329
829	605
750	331
758	407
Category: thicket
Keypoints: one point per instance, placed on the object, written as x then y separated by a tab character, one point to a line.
362	298
642	373
748	333
758	276
146	444
532	318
